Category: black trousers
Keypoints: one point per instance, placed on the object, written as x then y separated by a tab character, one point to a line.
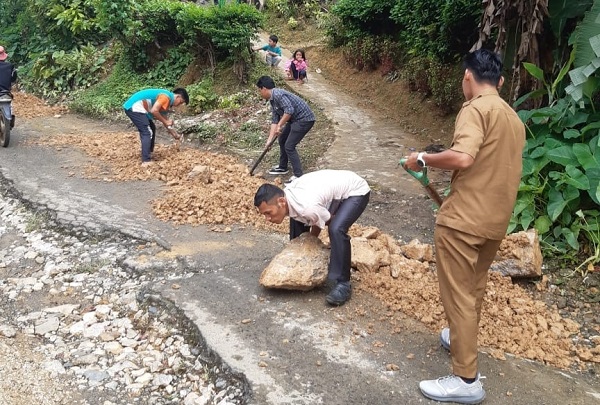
147	130
348	211
297	74
291	136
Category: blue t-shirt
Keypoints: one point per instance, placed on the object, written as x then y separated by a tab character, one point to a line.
270	48
148	97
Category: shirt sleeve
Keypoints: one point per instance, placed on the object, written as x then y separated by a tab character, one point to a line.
316	216
286	104
275	117
164	102
469	131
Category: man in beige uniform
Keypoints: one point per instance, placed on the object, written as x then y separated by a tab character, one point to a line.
486	156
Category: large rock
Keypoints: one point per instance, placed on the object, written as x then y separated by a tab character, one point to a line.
519	255
368	255
302	265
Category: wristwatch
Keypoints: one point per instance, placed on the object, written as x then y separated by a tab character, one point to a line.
420	160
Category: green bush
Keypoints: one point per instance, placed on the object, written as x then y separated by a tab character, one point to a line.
202	96
103	99
55	74
203	132
446	93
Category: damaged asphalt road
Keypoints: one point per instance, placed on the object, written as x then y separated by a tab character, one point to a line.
279	347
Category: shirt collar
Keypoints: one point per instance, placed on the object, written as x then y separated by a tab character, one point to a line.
486	92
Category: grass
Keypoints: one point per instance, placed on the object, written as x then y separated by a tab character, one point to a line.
36	221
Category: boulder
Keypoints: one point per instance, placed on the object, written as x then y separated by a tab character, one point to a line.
302	265
519	255
366	257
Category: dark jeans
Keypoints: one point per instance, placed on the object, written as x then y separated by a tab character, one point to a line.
291	136
347	213
297	74
147	130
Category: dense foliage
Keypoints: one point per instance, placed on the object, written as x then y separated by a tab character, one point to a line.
156	39
560	188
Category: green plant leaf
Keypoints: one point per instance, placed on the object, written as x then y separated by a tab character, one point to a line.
577	178
531	95
542	224
563	155
589	127
526	219
571	133
571	238
556	204
586	37
585	157
534	71
594	189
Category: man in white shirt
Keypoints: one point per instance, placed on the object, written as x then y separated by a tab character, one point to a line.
335	198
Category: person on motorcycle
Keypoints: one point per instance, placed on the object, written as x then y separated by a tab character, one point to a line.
8	73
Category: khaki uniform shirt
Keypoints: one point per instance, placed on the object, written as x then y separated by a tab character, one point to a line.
482	197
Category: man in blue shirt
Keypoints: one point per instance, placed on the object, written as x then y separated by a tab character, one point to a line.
145	106
287	108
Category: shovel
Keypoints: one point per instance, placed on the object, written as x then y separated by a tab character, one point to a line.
424	180
262	155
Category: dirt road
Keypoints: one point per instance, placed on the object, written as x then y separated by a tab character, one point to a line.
291	347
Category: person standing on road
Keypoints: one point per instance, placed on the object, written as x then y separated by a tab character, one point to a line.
335	198
287	108
486	159
145	106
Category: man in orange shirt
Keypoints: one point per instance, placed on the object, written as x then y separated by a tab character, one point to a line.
486	159
146	105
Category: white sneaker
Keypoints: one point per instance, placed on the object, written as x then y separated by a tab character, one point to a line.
290	180
452	388
445	338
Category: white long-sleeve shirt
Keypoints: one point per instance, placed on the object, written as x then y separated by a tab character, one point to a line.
310	196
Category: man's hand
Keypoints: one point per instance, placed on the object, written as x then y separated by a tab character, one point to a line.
411	162
174	134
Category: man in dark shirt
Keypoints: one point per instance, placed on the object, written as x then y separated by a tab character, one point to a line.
286	108
8	73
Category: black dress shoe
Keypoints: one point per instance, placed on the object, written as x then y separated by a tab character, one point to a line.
339	294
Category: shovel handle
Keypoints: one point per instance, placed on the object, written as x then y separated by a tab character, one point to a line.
420	176
262	155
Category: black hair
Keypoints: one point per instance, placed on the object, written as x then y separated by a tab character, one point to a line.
266	193
274	38
266	82
183	93
301	51
485	65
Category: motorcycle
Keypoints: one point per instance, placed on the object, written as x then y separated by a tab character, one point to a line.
7	119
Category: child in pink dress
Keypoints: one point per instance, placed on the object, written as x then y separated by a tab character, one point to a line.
296	67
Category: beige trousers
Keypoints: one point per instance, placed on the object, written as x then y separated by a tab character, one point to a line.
463	261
